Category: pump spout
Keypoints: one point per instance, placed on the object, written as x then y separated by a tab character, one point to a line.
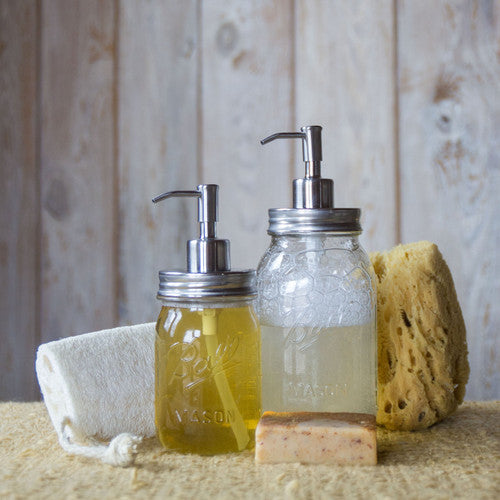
283	135
176	194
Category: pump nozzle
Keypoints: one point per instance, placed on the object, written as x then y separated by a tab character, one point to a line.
207	254
312	191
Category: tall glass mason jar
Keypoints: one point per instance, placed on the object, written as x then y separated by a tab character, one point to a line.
207	349
317	309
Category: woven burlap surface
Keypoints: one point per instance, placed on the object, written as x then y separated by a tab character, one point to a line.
458	458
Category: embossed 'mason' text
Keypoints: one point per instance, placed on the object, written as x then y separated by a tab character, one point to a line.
303	390
185	416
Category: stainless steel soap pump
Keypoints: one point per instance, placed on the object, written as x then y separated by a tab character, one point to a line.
316	299
208	257
312	191
207	350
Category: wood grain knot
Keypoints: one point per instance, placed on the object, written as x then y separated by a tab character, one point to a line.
188	48
447	87
226	38
444	123
56	201
4	254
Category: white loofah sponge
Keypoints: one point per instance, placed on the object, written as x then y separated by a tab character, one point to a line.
100	387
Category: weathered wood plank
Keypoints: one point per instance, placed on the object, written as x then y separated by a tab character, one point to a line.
158	65
19	241
247	94
346	82
449	77
77	155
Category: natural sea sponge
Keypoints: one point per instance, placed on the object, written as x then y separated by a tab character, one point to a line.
422	348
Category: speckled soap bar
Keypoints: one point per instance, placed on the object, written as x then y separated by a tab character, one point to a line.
316	438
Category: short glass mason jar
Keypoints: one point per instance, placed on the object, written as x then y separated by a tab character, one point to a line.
208	377
317	308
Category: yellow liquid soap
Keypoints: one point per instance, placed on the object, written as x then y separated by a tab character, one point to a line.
208	378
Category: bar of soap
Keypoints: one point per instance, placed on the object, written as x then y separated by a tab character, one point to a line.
316	438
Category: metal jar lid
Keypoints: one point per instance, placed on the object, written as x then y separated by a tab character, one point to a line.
307	220
182	286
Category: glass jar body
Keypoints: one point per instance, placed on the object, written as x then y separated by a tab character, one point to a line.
207	376
317	308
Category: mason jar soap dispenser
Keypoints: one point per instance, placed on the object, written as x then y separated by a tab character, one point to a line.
207	352
316	300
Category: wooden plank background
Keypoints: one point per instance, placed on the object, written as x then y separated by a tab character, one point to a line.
104	104
157	150
19	220
449	125
76	167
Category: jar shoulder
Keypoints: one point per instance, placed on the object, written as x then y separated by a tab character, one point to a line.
315	257
174	321
316	282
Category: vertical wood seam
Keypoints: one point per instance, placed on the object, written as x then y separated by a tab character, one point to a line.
293	86
199	92
115	165
38	182
397	152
